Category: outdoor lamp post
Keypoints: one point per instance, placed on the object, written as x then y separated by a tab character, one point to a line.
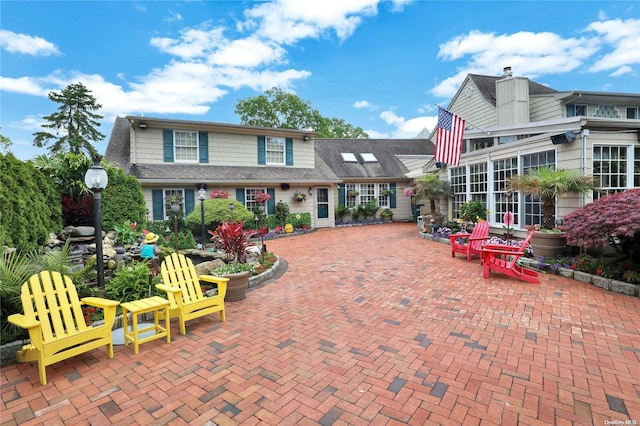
96	180
231	207
202	192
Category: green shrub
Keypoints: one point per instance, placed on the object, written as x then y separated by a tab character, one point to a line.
131	282
31	205
281	213
122	200
216	211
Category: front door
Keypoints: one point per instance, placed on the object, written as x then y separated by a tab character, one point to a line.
322	217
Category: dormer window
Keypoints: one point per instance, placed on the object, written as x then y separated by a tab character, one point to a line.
275	151
349	157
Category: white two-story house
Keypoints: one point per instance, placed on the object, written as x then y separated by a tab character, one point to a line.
514	124
172	157
177	156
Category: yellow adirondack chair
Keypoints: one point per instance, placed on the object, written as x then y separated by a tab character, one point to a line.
55	321
182	285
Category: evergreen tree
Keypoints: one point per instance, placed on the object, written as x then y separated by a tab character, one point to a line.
75	121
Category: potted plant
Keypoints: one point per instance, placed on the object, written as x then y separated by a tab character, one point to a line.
238	275
547	184
233	239
386	215
299	197
174	200
386	192
432	188
473	211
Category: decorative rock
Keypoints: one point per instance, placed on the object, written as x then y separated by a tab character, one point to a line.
582	276
624	288
601	282
566	272
81	231
205	268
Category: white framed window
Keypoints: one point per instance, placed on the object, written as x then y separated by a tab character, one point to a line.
185	146
459	187
503	200
275	151
350	191
633	113
532	206
478	182
367	192
349	157
384	201
250	197
581	110
609	169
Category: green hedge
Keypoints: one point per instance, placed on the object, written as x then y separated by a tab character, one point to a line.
31	205
122	200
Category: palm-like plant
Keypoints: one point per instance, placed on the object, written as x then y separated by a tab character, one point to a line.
547	183
430	187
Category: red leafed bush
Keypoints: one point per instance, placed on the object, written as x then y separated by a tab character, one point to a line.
596	224
233	239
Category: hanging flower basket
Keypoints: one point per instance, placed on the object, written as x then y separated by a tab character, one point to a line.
352	193
262	197
299	197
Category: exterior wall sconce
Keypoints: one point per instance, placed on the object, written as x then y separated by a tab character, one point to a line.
306	138
310	191
440	165
142	126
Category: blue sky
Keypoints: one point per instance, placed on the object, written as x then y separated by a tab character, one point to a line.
380	65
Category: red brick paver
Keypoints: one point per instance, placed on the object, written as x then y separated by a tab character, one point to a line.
369	325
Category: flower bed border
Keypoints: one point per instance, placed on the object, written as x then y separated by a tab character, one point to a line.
609	284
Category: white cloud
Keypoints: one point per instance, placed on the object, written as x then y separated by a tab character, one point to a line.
529	54
26	44
362	104
287	21
624	37
25	85
173	16
407	128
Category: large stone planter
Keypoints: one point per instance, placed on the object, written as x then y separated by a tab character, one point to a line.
237	286
548	244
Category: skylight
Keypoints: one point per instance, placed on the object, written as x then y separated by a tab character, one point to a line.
368	157
349	157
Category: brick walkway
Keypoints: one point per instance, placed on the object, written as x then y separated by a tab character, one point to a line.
369	325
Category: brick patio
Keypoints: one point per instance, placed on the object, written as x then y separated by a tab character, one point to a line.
369	325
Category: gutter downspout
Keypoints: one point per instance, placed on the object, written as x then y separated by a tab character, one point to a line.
583	161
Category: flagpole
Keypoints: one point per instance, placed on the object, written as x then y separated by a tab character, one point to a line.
468	122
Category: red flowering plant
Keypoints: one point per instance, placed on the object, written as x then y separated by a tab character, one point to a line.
233	239
220	193
262	197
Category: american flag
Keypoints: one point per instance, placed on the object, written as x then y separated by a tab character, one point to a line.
449	137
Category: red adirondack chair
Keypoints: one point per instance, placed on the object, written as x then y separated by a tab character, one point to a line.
470	244
502	258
